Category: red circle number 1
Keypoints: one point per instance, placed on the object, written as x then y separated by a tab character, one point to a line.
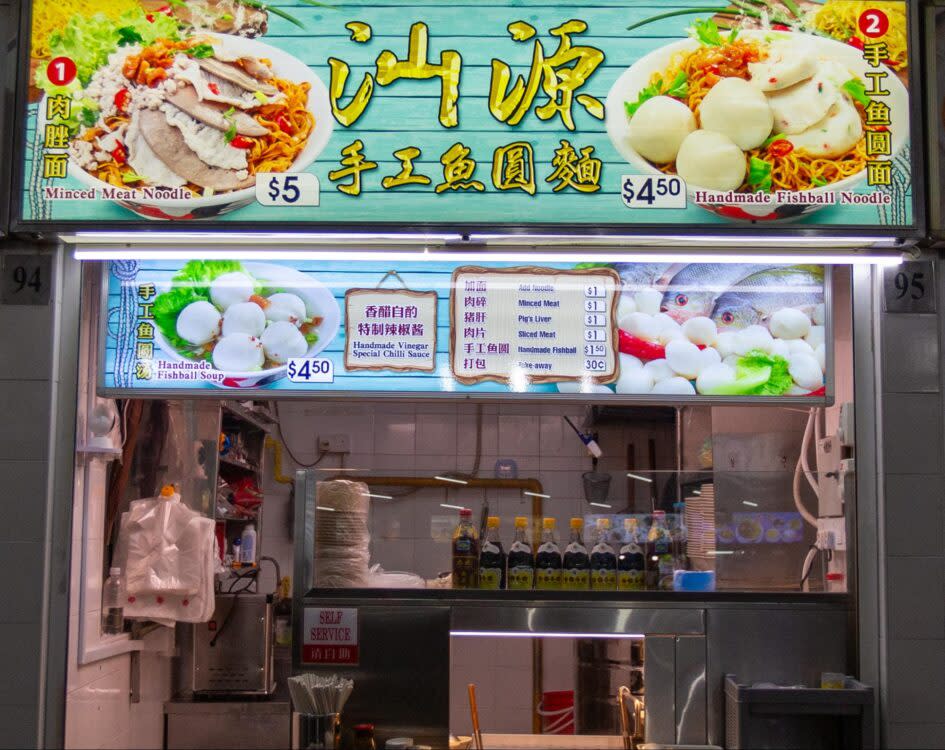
873	23
61	71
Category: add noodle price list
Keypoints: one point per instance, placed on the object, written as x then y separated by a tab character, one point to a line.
533	325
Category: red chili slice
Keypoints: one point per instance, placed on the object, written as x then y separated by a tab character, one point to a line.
214	88
150	18
241	142
780	148
822	391
855	41
122	96
640	348
284	125
119	154
780	27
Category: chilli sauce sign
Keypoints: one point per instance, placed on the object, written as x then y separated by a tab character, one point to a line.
552	115
330	636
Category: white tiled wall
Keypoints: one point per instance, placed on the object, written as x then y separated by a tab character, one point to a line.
914	490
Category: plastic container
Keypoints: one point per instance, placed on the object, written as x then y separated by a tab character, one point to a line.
248	545
786	717
113	619
557	712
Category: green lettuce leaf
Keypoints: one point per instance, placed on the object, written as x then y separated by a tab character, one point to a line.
759	174
167	306
758	374
197	275
857	90
311	337
677	88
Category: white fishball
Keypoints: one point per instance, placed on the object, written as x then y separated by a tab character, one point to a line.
710	160
230	288
669	329
701	330
658	128
286	307
282	340
634	381
819	316
629	362
799	346
648	301
244	317
684	358
198	323
788	323
239	352
625	307
752	338
659	369
780	348
820	354
725	343
709	357
641	325
674	387
817	335
806	372
738	110
715	376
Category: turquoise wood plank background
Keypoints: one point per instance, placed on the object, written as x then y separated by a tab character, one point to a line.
405	114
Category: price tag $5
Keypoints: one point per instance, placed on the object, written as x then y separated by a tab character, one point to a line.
281	189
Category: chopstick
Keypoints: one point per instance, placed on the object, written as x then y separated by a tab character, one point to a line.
474	711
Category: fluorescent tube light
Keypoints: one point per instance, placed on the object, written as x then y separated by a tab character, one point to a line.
536	494
539	634
601	505
323	507
749	503
642	479
451	479
452	507
377	497
208	252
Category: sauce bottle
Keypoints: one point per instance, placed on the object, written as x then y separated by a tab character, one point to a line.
521	558
603	560
465	553
631	566
548	560
492	558
659	554
577	563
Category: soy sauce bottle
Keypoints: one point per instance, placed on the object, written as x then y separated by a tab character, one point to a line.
465	553
631	566
521	558
577	563
603	560
492	558
548	560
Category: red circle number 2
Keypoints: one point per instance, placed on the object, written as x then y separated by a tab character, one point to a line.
873	23
61	71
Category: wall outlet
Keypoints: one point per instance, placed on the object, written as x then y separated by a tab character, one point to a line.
334	444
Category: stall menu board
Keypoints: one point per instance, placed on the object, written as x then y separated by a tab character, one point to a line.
610	116
633	331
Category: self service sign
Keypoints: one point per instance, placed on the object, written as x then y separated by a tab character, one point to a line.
330	635
543	115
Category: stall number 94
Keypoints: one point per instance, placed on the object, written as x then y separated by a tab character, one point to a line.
652	191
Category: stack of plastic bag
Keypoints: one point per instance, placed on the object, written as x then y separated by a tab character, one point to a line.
169	558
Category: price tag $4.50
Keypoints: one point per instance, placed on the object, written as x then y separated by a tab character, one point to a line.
652	191
310	370
287	189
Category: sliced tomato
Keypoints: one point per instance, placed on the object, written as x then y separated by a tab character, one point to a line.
120	154
780	147
122	97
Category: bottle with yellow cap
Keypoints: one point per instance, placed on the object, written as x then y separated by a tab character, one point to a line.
548	560
576	575
492	558
521	558
603	560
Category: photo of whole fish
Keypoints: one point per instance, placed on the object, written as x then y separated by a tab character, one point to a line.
719	329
